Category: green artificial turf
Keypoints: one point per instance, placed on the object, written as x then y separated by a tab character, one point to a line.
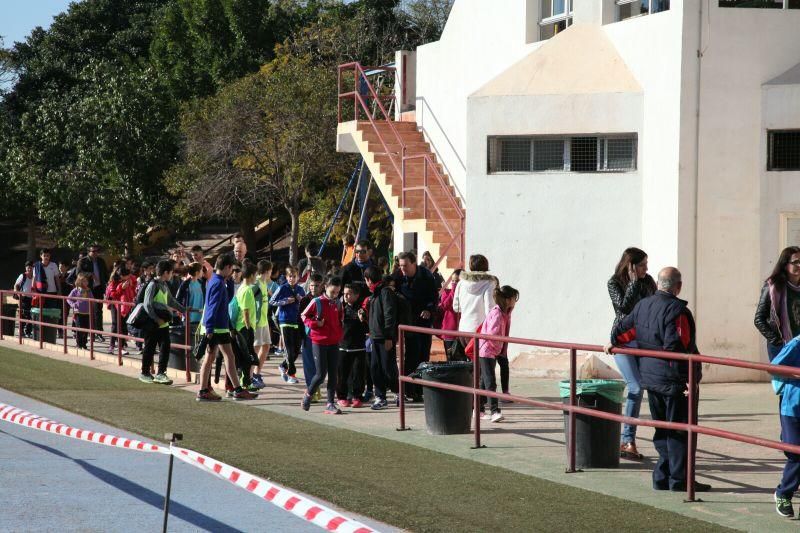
400	484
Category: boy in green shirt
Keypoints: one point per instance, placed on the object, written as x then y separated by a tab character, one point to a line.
262	337
246	320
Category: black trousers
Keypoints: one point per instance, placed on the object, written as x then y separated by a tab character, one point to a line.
384	369
291	345
155	336
489	381
350	382
502	362
25	306
97	309
672	445
81	320
326	361
418	350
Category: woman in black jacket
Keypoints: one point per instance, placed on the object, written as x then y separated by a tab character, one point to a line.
778	311
630	284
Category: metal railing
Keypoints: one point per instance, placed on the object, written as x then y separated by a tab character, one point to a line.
91	331
692	428
361	93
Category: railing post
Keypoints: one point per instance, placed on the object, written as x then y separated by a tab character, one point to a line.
339	92
186	342
2	316
119	332
571	436
41	321
691	437
425	189
19	318
356	75
403	177
64	329
401	389
476	398
91	329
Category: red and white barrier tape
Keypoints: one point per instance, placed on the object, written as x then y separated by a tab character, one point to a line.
282	497
11	414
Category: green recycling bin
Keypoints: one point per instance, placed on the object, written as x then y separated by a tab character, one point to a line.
596	440
49	316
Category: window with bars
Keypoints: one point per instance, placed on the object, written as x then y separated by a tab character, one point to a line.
573	153
761	4
784	150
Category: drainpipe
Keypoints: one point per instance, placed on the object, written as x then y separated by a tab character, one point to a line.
700	52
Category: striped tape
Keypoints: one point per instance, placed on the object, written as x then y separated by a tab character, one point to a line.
284	498
11	414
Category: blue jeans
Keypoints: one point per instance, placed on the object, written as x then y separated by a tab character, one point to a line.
629	367
309	368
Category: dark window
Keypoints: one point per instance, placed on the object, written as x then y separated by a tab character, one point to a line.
548	154
583	154
784	150
515	155
757	4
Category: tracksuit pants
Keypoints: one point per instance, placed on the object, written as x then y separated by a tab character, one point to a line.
326	361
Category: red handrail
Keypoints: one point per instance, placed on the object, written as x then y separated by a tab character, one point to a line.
692	427
399	164
64	328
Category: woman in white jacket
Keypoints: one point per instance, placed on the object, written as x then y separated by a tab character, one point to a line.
474	298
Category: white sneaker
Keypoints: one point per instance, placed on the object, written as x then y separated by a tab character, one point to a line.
497	417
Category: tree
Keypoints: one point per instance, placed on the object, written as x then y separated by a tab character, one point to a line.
214	184
424	18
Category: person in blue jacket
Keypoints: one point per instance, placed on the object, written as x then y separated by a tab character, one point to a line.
287	299
788	389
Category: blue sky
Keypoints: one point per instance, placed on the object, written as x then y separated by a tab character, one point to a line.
19	17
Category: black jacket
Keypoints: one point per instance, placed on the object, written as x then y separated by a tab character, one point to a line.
383	314
763	319
653	321
355	331
420	291
624	300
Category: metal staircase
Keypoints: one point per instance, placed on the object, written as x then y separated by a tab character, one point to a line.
404	166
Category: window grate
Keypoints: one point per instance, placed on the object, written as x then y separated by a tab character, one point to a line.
784	150
547	153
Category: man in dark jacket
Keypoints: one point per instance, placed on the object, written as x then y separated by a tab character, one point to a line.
664	323
353	272
382	320
418	286
98	284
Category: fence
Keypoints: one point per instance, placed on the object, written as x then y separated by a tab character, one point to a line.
692	428
91	330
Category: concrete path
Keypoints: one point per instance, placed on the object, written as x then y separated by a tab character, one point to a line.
53	483
531	441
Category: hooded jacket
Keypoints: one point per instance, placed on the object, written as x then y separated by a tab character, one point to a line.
288	313
474	298
382	309
330	333
497	323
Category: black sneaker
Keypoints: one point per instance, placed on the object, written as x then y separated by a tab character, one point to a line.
783	506
698	487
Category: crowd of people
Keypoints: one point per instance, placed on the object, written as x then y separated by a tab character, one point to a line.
341	320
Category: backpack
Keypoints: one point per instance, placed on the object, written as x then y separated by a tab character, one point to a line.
142	290
316	301
259	299
233	311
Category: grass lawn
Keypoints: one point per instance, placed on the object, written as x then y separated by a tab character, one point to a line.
403	485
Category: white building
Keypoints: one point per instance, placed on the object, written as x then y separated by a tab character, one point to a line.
569	136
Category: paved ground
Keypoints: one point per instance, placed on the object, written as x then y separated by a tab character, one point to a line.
50	482
531	441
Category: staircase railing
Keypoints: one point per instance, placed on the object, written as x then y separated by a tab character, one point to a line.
362	91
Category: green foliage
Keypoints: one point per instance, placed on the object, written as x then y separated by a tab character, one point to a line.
314	222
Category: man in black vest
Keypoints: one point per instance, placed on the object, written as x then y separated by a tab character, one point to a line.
664	323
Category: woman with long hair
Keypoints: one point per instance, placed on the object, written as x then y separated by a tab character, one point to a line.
630	284
778	311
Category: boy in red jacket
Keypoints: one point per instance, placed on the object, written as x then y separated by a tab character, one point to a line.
323	318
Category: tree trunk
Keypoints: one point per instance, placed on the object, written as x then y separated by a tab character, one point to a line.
31	238
294	213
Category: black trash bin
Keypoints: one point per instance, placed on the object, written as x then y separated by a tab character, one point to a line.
177	356
447	412
597	440
49	316
9	310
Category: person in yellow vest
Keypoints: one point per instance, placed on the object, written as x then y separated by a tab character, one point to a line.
158	303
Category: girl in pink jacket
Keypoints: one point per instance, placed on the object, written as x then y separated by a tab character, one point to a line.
497	322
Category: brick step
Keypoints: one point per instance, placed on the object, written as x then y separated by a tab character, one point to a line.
389	136
412	148
382	124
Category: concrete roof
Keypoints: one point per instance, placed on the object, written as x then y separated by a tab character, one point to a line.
579	60
790	77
